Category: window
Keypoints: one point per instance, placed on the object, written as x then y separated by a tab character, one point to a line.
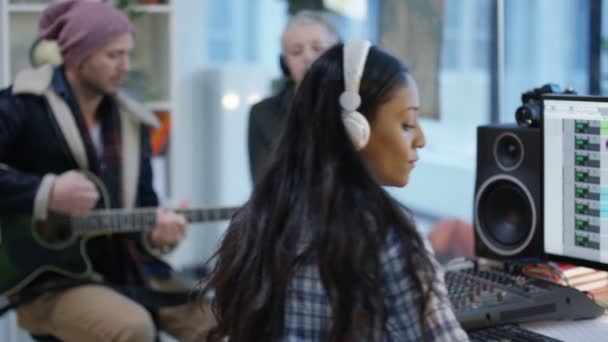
219	31
546	41
603	77
443	182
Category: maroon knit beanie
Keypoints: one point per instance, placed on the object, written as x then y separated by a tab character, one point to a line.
82	27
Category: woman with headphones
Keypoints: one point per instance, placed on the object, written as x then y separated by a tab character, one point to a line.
307	35
321	252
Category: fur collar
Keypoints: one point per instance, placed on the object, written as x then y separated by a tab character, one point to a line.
37	81
33	81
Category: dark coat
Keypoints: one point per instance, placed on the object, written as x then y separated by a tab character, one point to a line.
266	120
34	146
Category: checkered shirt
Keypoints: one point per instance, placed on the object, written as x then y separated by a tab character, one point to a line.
308	311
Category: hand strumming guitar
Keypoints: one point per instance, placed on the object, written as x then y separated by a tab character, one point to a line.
73	194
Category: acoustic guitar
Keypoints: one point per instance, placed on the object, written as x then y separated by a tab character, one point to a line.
29	248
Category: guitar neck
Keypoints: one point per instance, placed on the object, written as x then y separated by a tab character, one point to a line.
139	219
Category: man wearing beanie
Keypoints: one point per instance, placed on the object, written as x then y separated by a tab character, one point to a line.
55	125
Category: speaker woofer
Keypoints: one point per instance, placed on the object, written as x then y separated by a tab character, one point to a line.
505	215
508	151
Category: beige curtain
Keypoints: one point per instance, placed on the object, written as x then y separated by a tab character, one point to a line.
412	30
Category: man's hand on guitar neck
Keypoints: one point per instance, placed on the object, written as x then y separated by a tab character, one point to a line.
73	194
170	228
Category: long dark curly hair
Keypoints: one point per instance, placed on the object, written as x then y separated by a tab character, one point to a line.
316	187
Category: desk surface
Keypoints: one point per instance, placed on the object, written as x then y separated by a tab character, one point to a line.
589	330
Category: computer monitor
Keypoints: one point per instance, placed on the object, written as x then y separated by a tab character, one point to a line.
575	183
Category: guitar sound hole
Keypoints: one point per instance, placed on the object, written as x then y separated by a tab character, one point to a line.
53	231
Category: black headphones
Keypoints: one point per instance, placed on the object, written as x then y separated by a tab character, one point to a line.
283	66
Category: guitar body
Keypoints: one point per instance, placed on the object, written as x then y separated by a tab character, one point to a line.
24	255
29	248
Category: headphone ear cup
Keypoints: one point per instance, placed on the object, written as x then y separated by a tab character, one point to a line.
357	128
283	66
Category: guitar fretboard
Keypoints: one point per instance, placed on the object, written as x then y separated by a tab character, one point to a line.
133	220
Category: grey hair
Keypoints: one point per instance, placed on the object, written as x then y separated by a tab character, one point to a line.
313	17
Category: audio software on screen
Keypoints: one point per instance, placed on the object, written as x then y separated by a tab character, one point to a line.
575	149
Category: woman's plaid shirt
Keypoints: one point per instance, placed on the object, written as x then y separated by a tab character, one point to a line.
308	311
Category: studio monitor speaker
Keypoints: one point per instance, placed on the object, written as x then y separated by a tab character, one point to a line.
507	208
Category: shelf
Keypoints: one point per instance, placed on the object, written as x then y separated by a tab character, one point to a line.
38	8
26	8
152	8
158	106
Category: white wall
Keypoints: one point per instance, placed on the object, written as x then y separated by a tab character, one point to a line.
218	157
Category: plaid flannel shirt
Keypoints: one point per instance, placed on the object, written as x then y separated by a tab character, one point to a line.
308	311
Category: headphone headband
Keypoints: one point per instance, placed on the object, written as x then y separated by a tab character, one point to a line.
354	56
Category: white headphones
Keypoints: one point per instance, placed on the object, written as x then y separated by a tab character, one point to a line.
357	127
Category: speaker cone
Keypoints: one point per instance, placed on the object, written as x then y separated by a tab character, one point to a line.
508	151
505	215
